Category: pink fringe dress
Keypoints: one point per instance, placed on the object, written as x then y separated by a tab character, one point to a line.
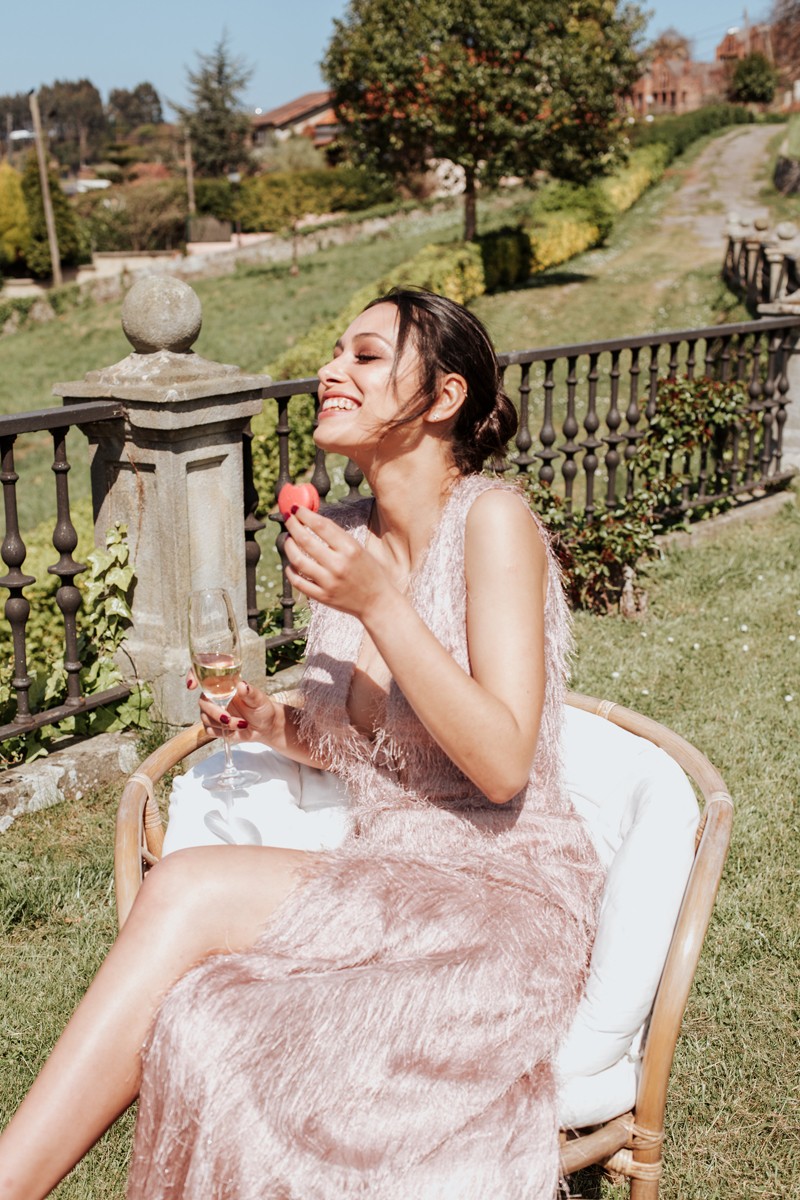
391	1033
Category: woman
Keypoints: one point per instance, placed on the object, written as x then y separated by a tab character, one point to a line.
378	1020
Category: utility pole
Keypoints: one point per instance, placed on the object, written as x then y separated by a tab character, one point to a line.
49	217
187	152
9	127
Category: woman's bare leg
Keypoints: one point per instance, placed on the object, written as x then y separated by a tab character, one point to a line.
195	903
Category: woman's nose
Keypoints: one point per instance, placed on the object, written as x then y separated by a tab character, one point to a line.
331	370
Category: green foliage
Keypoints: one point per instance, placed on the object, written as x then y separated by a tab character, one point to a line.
60	300
599	554
72	110
214	118
37	254
102	621
215	198
277	199
506	256
496	87
678	133
270	624
130	108
754	80
14	224
147	215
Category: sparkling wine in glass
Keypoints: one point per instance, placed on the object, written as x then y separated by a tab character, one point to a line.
217	662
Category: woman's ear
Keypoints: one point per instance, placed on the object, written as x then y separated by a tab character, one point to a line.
452	394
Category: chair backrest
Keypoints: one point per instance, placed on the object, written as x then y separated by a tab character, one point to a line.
712	840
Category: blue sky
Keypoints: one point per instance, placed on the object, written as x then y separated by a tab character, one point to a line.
120	45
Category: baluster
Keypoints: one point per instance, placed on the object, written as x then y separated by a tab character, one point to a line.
787	346
282	434
691	346
613	422
632	415
547	434
769	407
65	539
754	390
652	391
353	477
252	526
524	440
672	367
591	443
320	477
725	360
17	607
569	448
709	362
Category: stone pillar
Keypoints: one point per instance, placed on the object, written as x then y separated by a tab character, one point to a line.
172	472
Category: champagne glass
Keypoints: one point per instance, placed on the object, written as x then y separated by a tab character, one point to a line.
217	662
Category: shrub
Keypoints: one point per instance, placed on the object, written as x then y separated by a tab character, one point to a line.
215	198
507	257
645	167
678	133
599	556
150	215
555	239
102	622
274	201
14	224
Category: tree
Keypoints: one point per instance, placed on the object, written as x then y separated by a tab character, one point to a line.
218	127
74	112
129	109
786	37
69	243
495	86
670	44
754	80
14	224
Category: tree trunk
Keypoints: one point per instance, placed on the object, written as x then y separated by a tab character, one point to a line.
470	217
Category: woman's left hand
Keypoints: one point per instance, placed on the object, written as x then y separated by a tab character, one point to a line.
328	565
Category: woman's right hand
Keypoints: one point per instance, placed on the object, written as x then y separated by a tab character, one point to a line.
251	715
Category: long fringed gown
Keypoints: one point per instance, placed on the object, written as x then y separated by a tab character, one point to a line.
391	1033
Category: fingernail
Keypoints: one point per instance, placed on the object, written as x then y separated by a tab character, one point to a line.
294	509
189	684
242	724
225	719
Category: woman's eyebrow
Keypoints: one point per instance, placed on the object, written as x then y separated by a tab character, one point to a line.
365	334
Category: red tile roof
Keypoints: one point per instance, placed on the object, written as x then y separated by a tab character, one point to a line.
286	114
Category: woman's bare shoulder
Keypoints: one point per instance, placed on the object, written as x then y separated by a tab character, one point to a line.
501	518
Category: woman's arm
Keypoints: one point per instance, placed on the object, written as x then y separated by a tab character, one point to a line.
487	723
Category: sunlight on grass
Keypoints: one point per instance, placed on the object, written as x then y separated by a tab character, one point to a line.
732	1113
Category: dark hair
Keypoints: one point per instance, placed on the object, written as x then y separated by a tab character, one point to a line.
448	338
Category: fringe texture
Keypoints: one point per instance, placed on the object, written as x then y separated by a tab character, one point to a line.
391	1033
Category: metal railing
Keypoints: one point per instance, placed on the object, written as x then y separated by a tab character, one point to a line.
583	410
56	421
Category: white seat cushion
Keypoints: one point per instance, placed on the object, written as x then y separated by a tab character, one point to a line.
642	815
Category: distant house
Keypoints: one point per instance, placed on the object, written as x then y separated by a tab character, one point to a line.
739	43
310	116
674	85
678	85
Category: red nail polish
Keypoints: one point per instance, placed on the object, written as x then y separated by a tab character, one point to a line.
294	509
189	684
225	719
242	724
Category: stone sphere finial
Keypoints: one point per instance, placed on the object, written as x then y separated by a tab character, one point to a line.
161	313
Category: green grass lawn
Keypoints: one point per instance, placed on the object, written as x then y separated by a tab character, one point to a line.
716	658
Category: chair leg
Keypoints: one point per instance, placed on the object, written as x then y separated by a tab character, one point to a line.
646	1189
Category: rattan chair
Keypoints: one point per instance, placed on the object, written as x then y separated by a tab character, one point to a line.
629	1145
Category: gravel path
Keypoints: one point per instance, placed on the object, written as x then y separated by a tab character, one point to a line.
726	177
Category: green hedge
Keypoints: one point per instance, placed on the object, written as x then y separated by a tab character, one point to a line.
274	200
507	257
678	133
